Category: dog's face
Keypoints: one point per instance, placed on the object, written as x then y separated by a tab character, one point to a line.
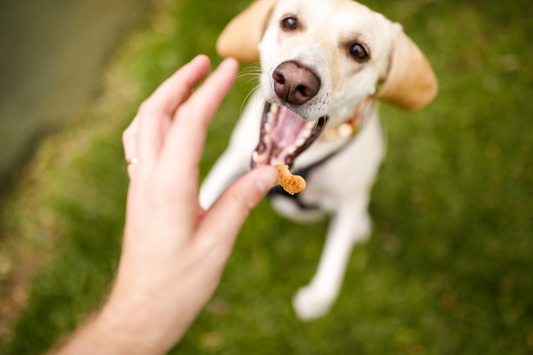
321	57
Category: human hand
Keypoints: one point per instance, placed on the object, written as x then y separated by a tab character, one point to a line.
173	251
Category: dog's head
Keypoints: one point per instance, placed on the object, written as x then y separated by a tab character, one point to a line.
320	58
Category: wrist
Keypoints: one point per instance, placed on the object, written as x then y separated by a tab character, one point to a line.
144	318
131	329
106	333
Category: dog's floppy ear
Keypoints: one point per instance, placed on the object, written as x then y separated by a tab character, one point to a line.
410	83
242	35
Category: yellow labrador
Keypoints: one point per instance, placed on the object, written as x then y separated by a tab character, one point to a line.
321	62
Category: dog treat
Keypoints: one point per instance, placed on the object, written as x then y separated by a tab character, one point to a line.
290	183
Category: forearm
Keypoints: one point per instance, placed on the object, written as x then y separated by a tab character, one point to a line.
108	332
142	320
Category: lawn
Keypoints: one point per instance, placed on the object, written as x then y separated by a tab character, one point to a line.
449	267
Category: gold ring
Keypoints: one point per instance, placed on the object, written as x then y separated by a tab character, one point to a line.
133	160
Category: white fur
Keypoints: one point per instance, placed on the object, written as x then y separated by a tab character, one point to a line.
341	186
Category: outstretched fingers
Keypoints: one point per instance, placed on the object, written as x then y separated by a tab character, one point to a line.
157	111
188	131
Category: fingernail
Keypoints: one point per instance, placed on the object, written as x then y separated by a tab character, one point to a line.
268	178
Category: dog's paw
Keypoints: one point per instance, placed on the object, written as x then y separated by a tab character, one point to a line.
310	303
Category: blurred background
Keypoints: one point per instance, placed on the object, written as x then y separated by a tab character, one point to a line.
53	55
448	269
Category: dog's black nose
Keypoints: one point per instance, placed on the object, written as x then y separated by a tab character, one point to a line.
295	84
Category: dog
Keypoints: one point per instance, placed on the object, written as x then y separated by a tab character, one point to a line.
324	66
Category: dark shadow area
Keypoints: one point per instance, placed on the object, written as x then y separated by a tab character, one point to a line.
53	52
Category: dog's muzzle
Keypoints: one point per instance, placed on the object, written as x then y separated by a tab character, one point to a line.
294	83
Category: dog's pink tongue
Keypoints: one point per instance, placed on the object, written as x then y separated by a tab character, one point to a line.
287	127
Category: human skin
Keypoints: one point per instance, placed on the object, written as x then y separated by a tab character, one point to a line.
173	251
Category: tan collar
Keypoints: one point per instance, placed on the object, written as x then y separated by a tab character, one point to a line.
349	127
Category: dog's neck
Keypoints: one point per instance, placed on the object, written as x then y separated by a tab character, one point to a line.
351	126
337	137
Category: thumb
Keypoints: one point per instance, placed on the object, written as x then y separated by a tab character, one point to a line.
224	220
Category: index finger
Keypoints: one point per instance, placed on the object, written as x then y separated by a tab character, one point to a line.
186	137
157	111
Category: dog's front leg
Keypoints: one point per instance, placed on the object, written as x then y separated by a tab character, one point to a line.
227	169
350	224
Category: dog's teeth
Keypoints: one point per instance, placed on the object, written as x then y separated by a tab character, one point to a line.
274	108
300	142
305	133
268	127
266	139
291	149
255	157
307	130
270	117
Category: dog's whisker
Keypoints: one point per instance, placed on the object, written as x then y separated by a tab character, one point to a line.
247	96
256	75
250	73
252	68
252	79
262	94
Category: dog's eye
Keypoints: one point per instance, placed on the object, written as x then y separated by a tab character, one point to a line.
359	53
289	24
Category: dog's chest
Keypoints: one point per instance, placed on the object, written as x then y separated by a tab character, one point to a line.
337	170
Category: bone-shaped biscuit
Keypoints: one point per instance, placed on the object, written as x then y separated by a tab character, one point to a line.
290	183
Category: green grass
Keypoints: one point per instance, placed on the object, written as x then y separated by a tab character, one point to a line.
448	269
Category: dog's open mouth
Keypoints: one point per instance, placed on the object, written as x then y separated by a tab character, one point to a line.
284	136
